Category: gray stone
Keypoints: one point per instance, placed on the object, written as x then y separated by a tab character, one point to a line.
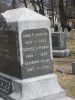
1	99
73	68
58	40
25	50
26	57
44	87
61	53
59	44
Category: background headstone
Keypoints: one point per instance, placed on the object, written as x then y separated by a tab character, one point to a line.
59	44
59	41
73	68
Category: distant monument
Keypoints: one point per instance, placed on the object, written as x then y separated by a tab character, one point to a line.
59	44
26	69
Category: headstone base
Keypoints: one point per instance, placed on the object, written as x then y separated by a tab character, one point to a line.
61	53
39	88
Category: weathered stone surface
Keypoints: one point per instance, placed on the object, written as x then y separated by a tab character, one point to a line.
73	68
61	53
58	40
25	47
26	57
59	44
44	87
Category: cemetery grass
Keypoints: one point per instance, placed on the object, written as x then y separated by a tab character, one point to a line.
66	79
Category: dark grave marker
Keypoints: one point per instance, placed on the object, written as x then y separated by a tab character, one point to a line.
55	41
36	52
58	40
59	44
73	68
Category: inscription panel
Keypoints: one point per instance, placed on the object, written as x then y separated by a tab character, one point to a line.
9	59
59	41
55	41
9	50
36	52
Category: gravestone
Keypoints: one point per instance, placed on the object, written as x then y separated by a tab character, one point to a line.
59	44
73	68
26	69
35	53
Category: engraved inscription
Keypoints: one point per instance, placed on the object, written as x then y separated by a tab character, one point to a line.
9	49
36	50
7	42
9	54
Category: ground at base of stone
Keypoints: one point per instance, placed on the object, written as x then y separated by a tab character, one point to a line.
66	79
66	98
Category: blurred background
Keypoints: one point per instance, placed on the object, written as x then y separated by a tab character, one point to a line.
60	12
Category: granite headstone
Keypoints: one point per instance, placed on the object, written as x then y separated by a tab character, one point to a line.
59	44
35	50
59	40
73	68
26	69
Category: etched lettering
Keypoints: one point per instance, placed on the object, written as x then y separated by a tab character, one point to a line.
28	42
44	53
27	35
28	49
29	56
36	50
